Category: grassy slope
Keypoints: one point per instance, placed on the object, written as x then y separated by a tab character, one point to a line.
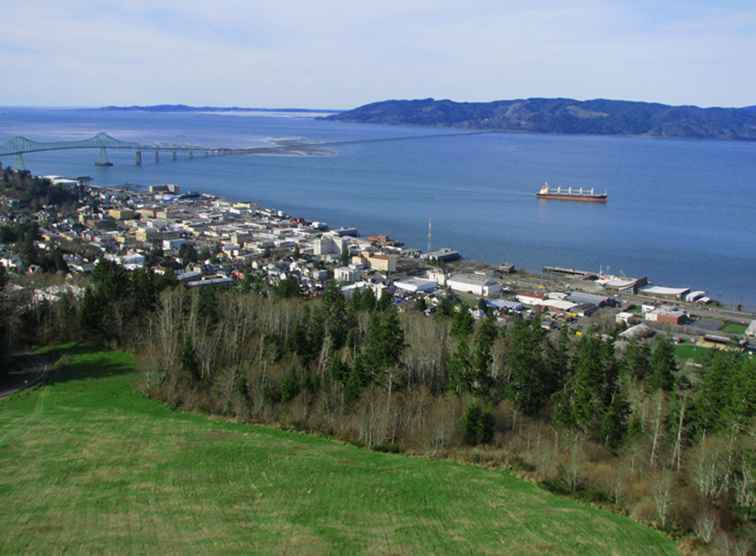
89	465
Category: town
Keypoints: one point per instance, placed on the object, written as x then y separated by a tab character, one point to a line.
207	241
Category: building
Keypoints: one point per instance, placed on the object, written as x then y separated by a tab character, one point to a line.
205	281
383	263
637	332
417	285
751	330
666	315
444	255
505	305
325	246
165	188
669	293
588	298
478	284
122	214
346	274
438	275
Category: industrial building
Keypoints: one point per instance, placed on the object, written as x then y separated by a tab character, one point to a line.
417	285
669	293
477	284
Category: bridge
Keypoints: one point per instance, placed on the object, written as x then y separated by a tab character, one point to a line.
19	146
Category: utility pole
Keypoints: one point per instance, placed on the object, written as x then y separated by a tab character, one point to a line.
430	235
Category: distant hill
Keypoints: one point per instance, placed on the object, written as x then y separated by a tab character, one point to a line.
563	115
187	108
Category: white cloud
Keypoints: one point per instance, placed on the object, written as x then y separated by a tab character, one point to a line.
338	54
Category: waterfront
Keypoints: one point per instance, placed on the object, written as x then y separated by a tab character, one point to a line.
681	212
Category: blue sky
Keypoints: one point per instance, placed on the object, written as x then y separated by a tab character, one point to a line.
336	53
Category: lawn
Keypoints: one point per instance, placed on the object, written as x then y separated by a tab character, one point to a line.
734	328
690	352
90	465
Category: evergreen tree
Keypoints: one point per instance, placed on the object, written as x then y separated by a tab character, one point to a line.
614	423
189	362
637	360
528	387
483	357
663	365
462	323
337	325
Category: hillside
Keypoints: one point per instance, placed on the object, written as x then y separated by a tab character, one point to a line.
91	466
562	115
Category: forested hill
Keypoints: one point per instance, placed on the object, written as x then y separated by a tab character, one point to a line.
563	115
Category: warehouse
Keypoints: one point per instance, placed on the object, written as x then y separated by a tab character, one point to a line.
590	299
661	291
415	285
477	284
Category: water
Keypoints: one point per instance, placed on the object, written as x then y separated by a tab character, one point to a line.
681	212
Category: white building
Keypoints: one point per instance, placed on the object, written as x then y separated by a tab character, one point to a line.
346	274
477	284
438	275
751	330
415	285
325	246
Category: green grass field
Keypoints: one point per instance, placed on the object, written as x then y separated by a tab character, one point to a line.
734	328
690	352
91	466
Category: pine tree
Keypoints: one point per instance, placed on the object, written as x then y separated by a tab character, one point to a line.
614	423
637	360
337	325
663	365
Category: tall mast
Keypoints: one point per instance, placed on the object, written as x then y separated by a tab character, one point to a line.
430	235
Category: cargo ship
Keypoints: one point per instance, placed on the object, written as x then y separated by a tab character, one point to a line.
571	194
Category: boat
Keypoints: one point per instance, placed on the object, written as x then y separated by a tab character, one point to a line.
106	163
584	194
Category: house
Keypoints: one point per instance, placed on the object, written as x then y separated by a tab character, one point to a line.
478	284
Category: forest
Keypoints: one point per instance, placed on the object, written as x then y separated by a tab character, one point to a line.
618	424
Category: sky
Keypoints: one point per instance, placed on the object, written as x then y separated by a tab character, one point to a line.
344	53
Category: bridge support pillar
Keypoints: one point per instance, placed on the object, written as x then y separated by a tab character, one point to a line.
173	156
20	163
138	159
157	156
191	154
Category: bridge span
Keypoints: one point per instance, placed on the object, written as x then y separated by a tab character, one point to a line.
19	146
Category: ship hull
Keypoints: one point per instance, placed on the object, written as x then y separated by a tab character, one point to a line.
567	197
